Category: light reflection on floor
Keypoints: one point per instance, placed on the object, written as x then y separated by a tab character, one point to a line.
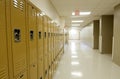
81	62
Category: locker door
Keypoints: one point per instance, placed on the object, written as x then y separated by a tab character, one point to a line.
18	31
32	17
40	46
49	44
3	47
49	48
45	48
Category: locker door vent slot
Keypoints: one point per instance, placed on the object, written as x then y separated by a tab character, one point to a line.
3	73
19	65
21	76
31	35
17	35
15	3
21	5
39	35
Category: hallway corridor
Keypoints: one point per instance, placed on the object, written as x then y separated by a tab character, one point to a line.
81	62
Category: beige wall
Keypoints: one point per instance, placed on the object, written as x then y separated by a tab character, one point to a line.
116	42
86	35
48	8
106	33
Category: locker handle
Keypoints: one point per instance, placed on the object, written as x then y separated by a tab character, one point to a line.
39	35
49	66
40	77
21	76
17	35
31	35
33	65
46	72
45	34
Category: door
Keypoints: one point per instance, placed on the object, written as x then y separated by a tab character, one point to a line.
3	39
18	31
32	31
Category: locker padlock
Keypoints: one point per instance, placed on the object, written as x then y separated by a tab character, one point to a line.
21	76
39	35
31	35
17	35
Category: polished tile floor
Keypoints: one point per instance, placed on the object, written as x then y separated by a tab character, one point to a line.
82	62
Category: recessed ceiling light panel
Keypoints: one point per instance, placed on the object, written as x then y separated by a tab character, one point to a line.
85	13
75	24
77	21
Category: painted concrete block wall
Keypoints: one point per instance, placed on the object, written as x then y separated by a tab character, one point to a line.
95	34
86	35
106	34
47	7
116	41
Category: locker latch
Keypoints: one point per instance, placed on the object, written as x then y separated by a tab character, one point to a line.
39	35
46	72
31	35
17	35
48	34
45	34
40	77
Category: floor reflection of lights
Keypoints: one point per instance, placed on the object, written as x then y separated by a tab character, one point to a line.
75	63
74	56
77	74
73	53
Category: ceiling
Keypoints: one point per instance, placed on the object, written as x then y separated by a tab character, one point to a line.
97	7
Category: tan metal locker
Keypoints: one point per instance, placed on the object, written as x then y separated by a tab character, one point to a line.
45	47
18	33
3	42
40	45
32	39
49	47
52	40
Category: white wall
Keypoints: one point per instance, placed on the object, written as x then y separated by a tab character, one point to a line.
86	35
48	8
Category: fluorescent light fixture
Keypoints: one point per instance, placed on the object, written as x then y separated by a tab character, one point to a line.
75	63
73	13
75	24
85	13
77	21
77	74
